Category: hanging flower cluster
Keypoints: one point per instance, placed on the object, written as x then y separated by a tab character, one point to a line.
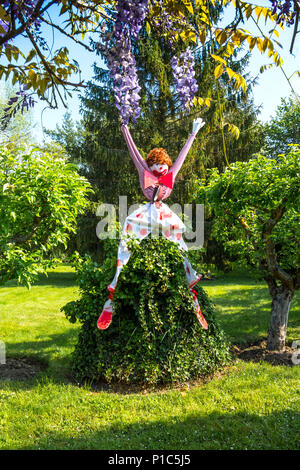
184	75
285	10
130	18
21	102
117	49
166	23
122	67
182	65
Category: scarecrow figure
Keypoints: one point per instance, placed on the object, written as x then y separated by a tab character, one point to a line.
157	175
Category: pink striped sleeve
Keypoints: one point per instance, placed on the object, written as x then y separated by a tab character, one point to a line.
181	157
135	154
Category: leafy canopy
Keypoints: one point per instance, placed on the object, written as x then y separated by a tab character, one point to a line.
258	202
40	197
48	72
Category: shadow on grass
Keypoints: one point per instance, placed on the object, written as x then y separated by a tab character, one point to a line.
46	351
245	314
216	430
57	279
45	344
242	313
53	279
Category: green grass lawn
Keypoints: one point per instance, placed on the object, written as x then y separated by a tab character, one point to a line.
250	406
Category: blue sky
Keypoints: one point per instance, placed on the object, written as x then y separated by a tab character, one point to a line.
272	85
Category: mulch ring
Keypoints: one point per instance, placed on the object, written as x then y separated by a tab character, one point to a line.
20	369
258	352
26	368
253	352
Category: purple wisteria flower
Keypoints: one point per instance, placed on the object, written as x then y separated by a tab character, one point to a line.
20	10
122	67
3	26
285	10
130	17
21	102
117	49
182	65
184	76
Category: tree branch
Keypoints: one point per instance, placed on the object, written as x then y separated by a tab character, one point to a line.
81	6
238	16
295	27
46	65
52	2
21	239
12	16
15	32
65	33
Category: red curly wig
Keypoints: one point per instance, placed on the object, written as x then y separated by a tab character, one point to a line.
158	155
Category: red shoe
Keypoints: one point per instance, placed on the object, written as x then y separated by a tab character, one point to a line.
105	318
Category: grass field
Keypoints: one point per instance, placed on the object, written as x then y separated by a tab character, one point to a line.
249	406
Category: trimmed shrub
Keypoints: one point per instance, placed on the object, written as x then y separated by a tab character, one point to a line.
155	336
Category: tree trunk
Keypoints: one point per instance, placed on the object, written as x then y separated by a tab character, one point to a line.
281	300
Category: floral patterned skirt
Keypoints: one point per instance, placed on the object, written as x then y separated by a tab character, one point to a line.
147	220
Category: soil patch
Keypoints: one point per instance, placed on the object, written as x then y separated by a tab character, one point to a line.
258	352
20	369
124	388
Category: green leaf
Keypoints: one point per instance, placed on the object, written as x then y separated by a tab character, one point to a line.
4	15
31	54
219	59
218	71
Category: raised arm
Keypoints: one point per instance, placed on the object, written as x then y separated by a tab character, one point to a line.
181	157
197	124
135	154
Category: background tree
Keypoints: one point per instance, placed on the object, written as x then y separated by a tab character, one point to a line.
284	128
72	136
41	196
256	216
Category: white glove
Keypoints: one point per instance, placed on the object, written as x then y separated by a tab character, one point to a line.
197	124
